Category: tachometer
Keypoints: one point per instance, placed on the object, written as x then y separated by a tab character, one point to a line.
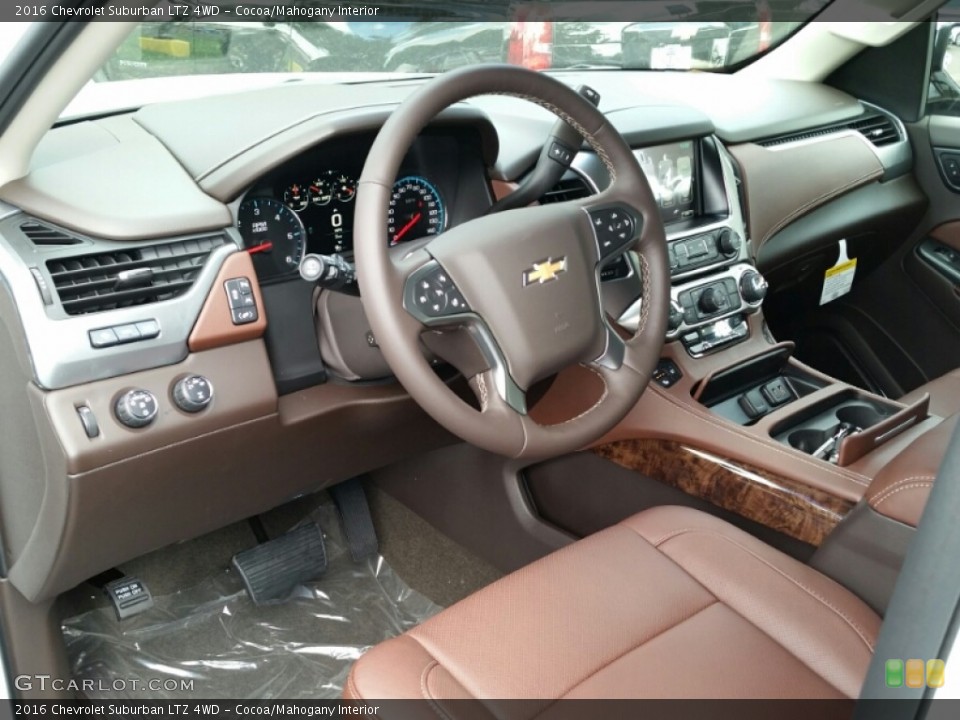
416	210
273	235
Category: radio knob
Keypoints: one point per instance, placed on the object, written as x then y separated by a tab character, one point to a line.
729	243
136	408
753	287
711	301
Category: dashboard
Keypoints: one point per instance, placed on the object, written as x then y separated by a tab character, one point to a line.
307	204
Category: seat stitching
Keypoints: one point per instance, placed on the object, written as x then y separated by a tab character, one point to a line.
852	477
878	496
352	687
626	652
425	691
877	502
861	633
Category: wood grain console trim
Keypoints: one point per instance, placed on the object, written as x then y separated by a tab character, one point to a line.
797	510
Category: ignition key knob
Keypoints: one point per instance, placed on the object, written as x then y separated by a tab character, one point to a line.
193	393
753	287
136	408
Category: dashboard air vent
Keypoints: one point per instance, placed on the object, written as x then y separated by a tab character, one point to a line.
878	129
569	189
45	236
875	127
135	276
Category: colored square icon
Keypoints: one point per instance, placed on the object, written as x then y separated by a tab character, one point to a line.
935	673
894	673
914	674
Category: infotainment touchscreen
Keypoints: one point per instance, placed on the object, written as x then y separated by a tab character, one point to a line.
671	171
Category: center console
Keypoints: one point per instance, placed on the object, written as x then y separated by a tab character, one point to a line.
715	285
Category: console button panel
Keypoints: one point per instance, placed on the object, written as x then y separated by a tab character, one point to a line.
702	250
243	303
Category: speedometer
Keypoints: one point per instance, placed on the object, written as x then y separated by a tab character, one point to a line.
416	210
272	234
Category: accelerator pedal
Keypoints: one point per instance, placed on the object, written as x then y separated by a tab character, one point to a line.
272	570
356	520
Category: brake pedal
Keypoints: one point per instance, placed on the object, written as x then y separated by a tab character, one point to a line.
355	518
272	570
129	596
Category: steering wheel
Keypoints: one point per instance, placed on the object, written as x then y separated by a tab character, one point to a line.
523	285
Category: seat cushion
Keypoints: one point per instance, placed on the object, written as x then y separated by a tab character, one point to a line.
669	603
944	394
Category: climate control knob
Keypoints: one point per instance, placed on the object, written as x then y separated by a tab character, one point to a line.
712	300
136	408
193	393
753	287
729	243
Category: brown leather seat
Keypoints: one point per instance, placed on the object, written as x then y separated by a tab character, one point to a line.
669	603
944	394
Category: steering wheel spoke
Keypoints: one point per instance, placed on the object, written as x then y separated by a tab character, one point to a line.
614	352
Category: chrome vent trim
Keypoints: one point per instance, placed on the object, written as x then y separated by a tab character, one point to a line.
879	129
45	236
131	277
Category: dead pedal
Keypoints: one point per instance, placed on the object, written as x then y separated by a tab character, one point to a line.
270	571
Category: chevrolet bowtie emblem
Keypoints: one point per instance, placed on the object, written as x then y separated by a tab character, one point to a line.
544	271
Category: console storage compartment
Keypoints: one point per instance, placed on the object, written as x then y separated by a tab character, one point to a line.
746	392
843	428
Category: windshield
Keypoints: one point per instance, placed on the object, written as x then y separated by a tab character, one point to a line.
714	35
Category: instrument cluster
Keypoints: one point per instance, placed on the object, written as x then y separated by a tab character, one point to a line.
279	224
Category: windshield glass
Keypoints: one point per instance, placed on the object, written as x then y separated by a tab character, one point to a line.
712	35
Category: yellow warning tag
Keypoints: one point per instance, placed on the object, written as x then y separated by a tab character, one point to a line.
838	280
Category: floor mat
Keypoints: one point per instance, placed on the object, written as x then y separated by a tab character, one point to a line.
210	641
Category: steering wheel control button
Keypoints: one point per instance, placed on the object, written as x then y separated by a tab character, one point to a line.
435	295
561	153
193	393
136	408
103	338
89	421
614	228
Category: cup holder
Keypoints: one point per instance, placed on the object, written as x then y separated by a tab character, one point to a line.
809	441
861	416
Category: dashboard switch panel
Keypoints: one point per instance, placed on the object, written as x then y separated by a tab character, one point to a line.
242	302
700	251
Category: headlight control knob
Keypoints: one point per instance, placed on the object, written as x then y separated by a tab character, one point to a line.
136	408
193	393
